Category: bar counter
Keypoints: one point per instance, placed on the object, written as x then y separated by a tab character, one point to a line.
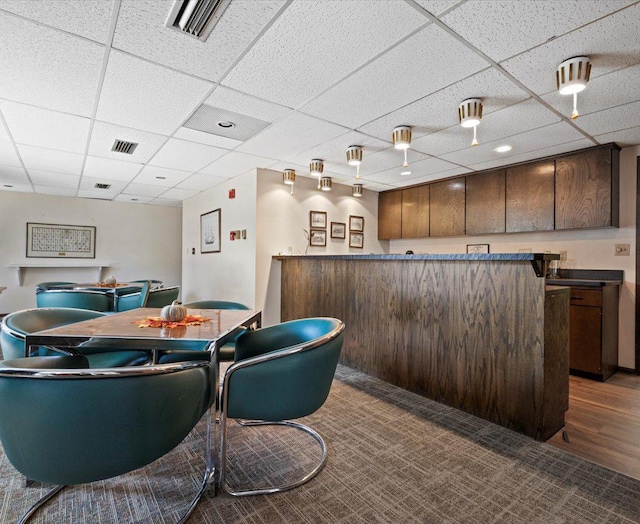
479	332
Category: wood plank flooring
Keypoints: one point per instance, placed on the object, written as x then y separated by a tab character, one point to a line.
603	422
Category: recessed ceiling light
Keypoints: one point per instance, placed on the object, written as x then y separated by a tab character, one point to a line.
502	149
226	125
405	172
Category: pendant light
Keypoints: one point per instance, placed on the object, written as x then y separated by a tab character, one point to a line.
289	178
354	158
325	183
470	114
402	140
356	191
316	167
572	76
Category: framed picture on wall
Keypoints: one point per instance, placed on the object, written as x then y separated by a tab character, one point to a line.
60	241
356	240
210	232
356	223
318	219
338	230
318	237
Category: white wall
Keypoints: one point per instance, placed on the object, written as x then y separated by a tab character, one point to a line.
586	249
137	240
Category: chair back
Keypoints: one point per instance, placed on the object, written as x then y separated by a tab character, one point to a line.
43	286
163	296
15	326
74	298
71	426
154	283
215	304
132	300
283	372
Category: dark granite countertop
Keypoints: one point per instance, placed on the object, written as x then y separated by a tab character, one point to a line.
453	256
582	282
588	277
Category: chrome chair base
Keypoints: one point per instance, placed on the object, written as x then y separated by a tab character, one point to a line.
275	489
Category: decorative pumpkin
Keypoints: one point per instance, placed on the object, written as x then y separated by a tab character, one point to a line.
110	281
173	313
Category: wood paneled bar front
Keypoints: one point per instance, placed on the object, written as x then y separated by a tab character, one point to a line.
482	332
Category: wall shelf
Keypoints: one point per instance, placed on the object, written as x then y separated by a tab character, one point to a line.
22	267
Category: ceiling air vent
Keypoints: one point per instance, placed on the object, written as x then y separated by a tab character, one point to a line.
120	146
196	17
102	186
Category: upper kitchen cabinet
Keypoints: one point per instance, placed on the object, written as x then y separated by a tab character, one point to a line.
390	215
415	212
486	203
530	197
587	189
446	208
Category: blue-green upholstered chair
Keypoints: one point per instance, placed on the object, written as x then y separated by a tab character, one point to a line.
132	300
63	424
43	286
162	296
154	283
74	298
281	372
15	326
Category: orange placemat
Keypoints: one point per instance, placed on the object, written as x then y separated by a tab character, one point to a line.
158	322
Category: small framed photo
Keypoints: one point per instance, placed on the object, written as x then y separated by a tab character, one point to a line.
356	223
318	219
477	248
338	230
356	240
210	232
318	237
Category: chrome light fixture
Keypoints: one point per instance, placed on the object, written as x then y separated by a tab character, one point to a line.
289	178
402	140
572	76
470	114
354	158
356	191
325	183
316	167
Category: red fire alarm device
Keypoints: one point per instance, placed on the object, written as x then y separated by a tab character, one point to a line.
232	235
232	193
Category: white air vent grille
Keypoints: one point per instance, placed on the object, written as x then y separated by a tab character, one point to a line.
102	186
121	146
196	17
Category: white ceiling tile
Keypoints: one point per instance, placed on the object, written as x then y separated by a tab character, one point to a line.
160	176
437	7
4	135
178	194
144	190
406	72
43	128
45	74
8	156
134	199
110	169
295	133
403	182
298	168
55	190
141	31
388	159
51	160
89	18
104	135
98	194
15	186
624	137
610	120
231	100
200	182
186	156
48	178
613	43
89	183
17	174
184	133
235	163
166	202
314	43
147	96
429	166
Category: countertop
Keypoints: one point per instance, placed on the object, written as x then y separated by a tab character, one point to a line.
582	282
588	278
449	256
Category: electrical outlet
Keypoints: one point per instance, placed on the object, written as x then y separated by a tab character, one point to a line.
563	256
622	250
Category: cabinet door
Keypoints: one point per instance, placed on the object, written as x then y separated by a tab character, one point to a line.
446	208
530	197
486	203
415	212
585	339
584	190
390	215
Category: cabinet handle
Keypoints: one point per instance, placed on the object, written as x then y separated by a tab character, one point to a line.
576	298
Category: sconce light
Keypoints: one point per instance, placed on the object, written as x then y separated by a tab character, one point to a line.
356	191
354	158
572	76
470	114
316	167
402	140
289	178
325	183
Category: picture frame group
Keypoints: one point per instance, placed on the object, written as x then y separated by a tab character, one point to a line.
337	230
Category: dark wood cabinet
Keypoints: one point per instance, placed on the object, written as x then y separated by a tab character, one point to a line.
390	215
485	204
415	212
446	208
530	197
586	186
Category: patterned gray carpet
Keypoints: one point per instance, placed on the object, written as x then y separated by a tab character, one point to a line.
395	457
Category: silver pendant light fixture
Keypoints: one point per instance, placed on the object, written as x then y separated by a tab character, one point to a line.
470	114
572	77
402	140
326	183
356	191
289	178
354	158
316	167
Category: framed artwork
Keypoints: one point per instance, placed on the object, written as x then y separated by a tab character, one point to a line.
210	232
338	230
318	237
356	223
477	248
60	241
318	219
356	240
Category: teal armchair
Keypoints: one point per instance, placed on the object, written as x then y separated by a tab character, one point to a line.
162	296
74	298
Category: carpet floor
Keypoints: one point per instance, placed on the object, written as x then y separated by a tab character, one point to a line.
394	457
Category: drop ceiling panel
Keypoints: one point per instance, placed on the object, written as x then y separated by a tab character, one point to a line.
104	135
55	190
43	128
16	186
166	202
610	120
387	159
613	43
185	156
146	96
437	7
624	137
244	104
144	190
235	163
178	194
110	169
47	178
314	44
429	166
137	199
200	182
431	178
8	156
291	135
98	194
205	138
141	31
160	176
44	75
15	174
4	135
51	160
